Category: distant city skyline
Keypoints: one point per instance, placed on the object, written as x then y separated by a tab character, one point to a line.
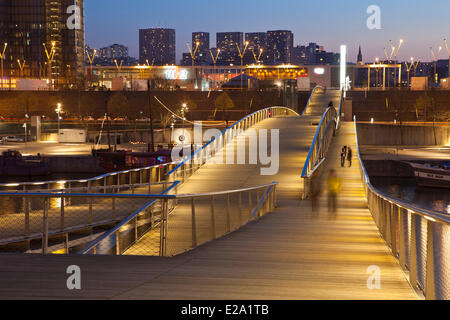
329	23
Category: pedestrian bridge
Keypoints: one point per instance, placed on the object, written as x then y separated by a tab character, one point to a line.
232	233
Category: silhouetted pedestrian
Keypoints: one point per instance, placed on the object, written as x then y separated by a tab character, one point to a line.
334	187
342	158
349	156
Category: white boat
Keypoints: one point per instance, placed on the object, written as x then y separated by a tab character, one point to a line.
432	176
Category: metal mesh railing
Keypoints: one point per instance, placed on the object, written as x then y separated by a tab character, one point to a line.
182	222
26	217
418	237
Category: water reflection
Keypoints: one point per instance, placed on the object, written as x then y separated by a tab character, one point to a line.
406	189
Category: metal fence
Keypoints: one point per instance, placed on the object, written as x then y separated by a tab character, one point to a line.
153	174
183	222
26	217
201	156
418	237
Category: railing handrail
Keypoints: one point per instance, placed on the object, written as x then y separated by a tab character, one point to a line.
112	186
305	172
18	194
165	196
412	208
192	156
18	184
339	112
310	97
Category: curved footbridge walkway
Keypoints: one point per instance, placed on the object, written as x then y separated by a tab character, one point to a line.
288	254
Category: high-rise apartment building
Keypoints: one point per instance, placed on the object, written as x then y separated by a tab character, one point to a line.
115	51
228	43
279	46
45	38
157	46
202	54
257	48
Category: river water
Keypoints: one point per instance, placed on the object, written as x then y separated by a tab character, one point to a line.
406	189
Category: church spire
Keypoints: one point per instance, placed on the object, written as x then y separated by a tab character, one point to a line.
360	58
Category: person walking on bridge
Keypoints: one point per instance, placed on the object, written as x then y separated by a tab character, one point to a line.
349	156
334	187
343	156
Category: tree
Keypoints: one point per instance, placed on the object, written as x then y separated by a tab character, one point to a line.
117	105
224	102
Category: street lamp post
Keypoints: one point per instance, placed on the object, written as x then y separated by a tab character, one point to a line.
409	67
118	67
448	52
241	55
91	61
184	110
21	66
435	62
258	60
2	56
389	59
214	59
58	111
396	50
50	56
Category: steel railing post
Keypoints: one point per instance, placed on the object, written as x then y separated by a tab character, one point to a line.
113	207
131	182
62	224
69	200
258	207
136	228
213	218
394	230
66	241
430	283
240	207
27	217
194	224
45	226
228	214
275	196
250	205
413	268
118	251
91	218
403	224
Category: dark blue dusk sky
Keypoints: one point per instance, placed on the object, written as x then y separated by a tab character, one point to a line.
422	24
